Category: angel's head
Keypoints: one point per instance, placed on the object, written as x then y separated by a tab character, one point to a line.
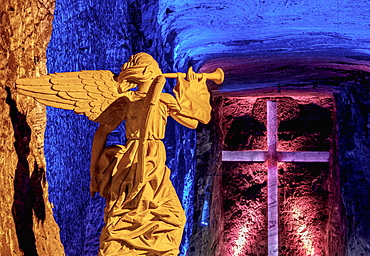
140	70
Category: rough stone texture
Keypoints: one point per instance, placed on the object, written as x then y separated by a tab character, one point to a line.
278	45
102	35
353	104
27	223
348	81
83	38
297	45
260	29
207	238
311	216
244	209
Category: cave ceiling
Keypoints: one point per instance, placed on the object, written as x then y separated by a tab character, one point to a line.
263	43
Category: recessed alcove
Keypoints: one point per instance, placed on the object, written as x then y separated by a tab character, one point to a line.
309	212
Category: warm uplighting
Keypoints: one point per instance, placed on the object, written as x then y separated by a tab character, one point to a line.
295	171
245	226
303	232
241	241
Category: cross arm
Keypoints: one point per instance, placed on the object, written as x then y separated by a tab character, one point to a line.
262	156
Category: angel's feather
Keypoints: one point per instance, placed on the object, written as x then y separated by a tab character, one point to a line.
86	92
57	104
48	97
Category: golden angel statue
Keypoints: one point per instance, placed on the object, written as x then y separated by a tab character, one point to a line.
143	215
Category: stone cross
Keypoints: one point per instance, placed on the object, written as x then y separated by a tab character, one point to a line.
272	156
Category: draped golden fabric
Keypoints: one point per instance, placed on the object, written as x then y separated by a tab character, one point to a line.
142	218
193	99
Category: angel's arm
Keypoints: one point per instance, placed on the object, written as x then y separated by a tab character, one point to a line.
184	120
109	120
175	111
100	138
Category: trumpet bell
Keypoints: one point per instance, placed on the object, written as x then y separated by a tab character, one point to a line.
217	76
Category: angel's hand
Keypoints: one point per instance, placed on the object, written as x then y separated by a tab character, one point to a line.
191	76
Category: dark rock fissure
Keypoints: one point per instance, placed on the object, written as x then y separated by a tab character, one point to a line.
28	193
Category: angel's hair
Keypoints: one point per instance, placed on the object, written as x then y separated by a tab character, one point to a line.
139	69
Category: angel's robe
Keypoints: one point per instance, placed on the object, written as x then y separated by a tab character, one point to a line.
143	216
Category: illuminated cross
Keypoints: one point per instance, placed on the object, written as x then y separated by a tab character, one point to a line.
272	156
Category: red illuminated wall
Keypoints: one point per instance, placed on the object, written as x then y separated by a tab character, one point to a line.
309	212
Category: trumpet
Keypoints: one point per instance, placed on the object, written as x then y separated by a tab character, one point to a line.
217	76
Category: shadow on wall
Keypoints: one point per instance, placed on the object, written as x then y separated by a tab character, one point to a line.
28	193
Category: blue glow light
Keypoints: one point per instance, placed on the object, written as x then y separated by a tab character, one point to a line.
93	35
81	40
205	213
206	206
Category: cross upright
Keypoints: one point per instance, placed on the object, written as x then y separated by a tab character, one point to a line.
272	157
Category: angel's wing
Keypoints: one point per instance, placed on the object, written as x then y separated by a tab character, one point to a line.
85	92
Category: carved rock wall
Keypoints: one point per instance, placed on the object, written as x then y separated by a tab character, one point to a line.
353	106
306	224
208	183
102	35
349	220
27	225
